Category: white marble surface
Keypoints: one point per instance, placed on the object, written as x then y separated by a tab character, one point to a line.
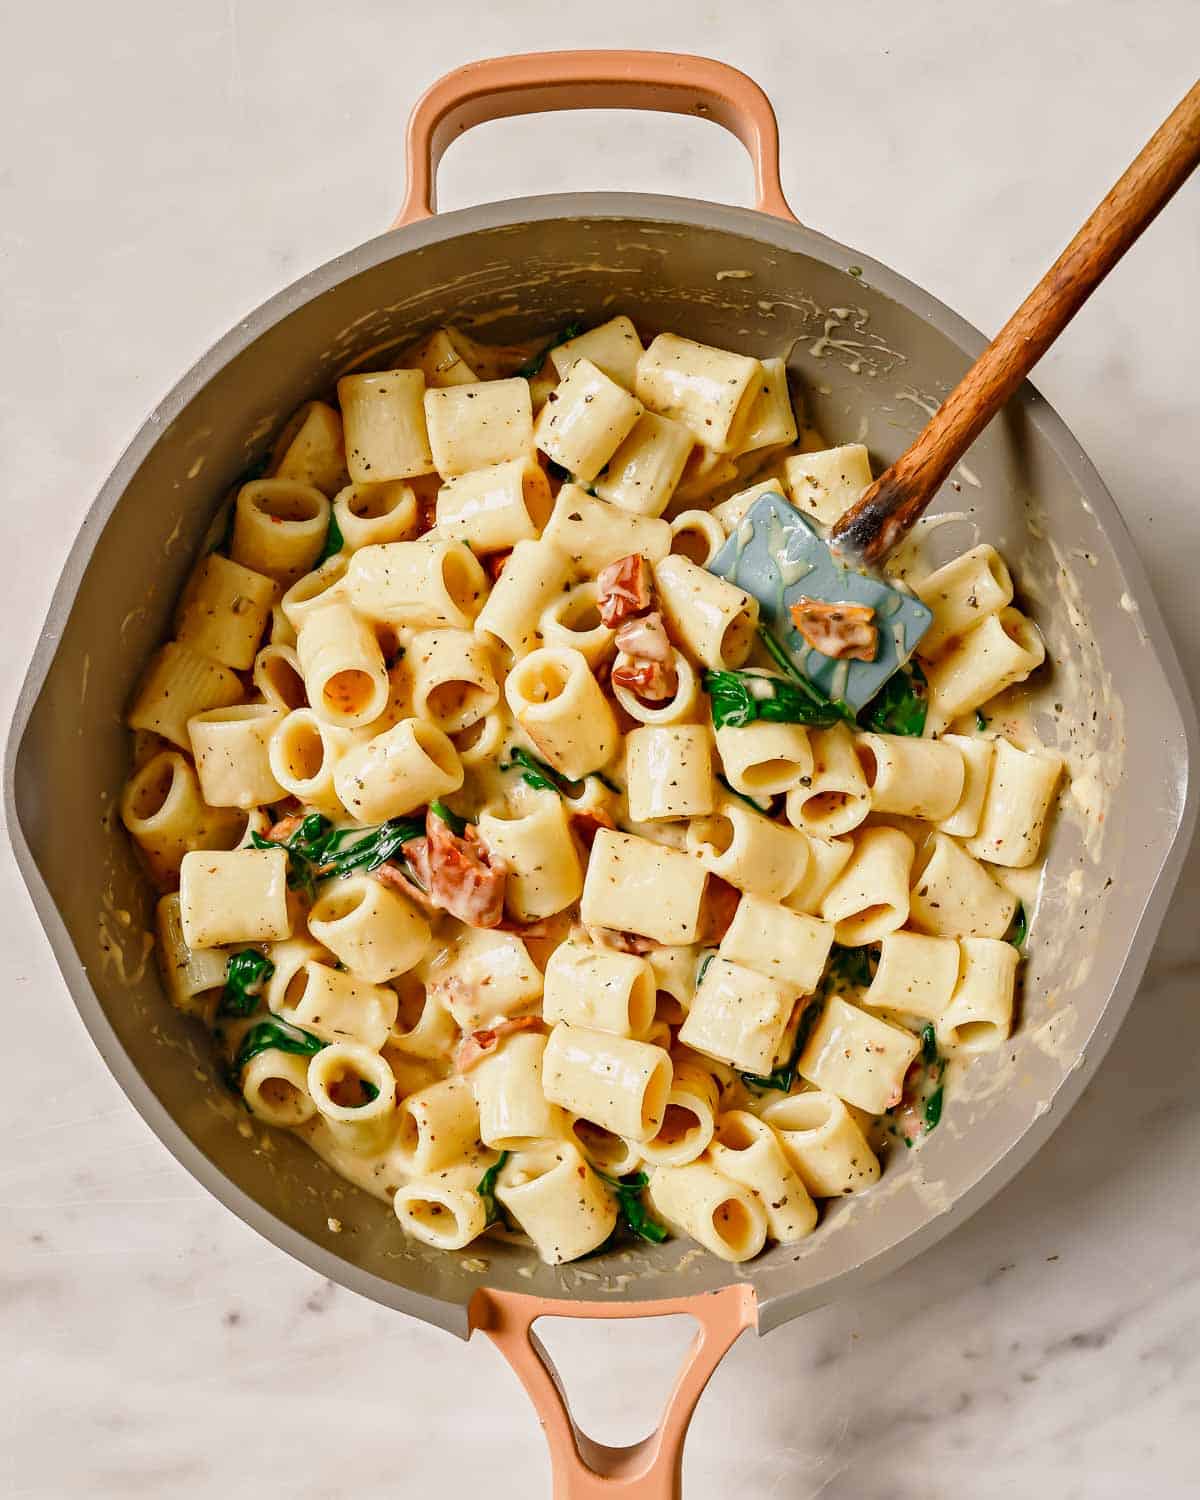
166	167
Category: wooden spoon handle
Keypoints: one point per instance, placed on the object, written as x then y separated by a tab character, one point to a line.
887	510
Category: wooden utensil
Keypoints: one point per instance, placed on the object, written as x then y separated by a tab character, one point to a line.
887	509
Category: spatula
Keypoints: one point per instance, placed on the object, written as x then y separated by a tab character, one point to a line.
779	557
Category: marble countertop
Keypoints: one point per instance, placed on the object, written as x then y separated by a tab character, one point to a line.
171	166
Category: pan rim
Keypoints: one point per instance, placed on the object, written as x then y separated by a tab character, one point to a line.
773	1308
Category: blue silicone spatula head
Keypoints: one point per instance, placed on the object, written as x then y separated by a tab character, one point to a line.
776	555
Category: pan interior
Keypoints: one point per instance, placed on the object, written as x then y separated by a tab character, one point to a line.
873	357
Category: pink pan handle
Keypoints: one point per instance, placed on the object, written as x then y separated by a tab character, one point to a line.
535	81
586	1470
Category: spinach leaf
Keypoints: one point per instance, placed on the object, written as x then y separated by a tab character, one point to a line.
487	1187
334	541
929	1052
633	1211
704	963
531	368
369	1091
245	974
783	660
899	707
278	1035
453	822
317	850
1018	928
933	1107
981	722
739	698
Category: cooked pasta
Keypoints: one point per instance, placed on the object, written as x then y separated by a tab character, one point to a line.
485	891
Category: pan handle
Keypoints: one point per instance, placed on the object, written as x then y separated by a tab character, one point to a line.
532	82
586	1470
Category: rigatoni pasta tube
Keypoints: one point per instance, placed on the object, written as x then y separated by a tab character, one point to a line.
857	1056
723	1216
954	896
371	514
633	885
430	584
177	684
514	1112
682	708
311	448
709	390
600	988
770	422
714	620
383	415
763	759
1019	796
825	484
443	1209
914	777
641	475
442	359
690	1116
223	611
277	678
476	426
355	1095
613	347
1003	650
376	932
668	772
961	594
535	575
837	798
585	420
785	945
303	752
977	754
748	850
482	975
572	619
279	528
560	706
275	1088
916	975
617	1082
340	1006
343	668
870	897
495	508
238	896
423	1026
747	1151
453	683
437	1126
824	1143
696	535
979	1015
557	1200
163	810
592	533
545	875
194	980
396	772
313	591
827	858
738	1016
231	750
